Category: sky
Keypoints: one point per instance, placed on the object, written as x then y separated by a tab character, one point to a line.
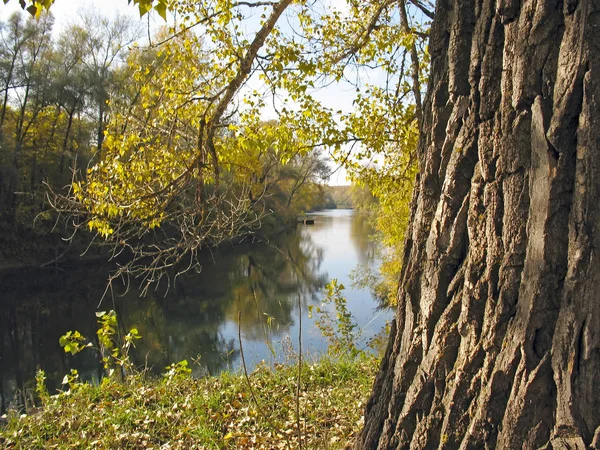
65	12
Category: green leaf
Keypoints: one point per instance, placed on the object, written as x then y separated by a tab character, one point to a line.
161	9
144	7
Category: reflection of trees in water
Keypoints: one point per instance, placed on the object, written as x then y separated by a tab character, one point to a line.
256	281
360	235
37	307
253	281
177	327
268	281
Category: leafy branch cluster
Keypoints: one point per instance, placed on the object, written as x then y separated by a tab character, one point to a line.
337	326
178	172
113	349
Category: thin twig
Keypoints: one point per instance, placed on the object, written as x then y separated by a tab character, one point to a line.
299	381
55	260
261	412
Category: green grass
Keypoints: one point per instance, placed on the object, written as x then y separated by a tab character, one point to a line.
211	413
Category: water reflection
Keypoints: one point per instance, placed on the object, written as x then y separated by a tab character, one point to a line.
37	308
263	284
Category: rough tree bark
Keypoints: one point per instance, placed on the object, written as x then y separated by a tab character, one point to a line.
496	341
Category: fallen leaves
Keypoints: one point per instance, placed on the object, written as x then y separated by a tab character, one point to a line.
212	413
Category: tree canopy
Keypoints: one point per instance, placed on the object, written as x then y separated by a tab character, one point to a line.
183	146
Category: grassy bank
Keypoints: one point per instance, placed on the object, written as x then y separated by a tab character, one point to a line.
213	413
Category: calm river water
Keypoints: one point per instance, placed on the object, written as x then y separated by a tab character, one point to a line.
197	319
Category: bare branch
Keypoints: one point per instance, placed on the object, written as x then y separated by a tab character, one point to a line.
363	39
423	8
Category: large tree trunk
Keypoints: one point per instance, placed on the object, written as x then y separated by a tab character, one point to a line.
496	342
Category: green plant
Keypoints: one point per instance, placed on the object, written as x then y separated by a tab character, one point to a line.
40	386
73	342
177	370
72	380
342	332
115	354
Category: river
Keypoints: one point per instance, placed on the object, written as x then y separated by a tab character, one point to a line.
261	289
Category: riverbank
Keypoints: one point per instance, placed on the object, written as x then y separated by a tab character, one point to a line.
29	248
223	412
